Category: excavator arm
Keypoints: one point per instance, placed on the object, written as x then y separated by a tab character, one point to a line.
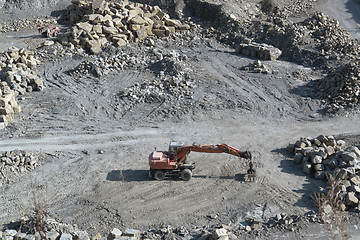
219	148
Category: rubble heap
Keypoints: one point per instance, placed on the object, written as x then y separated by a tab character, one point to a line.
17	76
17	70
329	36
20	24
326	155
100	22
258	67
341	88
172	82
257	50
297	8
15	163
52	229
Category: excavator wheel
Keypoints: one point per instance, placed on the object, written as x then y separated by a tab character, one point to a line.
186	174
159	175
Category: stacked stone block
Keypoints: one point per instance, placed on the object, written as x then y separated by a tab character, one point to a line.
17	76
99	22
259	50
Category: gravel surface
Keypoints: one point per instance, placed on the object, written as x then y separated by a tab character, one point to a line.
97	126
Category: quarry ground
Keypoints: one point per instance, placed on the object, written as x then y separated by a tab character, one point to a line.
96	175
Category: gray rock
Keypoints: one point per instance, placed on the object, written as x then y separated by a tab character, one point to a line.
354	149
131	233
114	234
10	232
65	236
348	156
316	159
341	143
52	235
298	158
319	167
29	237
307	168
333	163
80	235
319	175
351	199
220	232
20	235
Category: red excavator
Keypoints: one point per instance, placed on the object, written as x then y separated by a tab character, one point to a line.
173	162
48	31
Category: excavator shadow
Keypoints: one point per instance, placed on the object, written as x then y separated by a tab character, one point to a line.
215	177
131	175
237	177
128	175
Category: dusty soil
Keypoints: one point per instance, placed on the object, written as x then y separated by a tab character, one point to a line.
96	175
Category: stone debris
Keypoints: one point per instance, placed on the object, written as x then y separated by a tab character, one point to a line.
18	76
258	50
329	36
256	227
317	42
20	24
17	163
324	156
341	87
258	67
172	81
100	22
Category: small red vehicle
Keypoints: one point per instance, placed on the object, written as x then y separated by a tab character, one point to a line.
48	31
173	162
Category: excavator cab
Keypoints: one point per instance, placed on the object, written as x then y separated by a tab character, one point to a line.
175	146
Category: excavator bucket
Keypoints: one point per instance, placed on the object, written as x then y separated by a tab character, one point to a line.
250	176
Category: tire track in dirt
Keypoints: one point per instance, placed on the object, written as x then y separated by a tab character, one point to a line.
77	140
264	95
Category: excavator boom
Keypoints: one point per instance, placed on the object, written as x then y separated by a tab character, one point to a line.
219	148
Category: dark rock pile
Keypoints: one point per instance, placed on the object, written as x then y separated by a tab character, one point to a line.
341	87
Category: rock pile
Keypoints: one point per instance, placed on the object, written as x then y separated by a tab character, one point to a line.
297	8
17	76
158	90
325	155
100	22
17	70
15	163
329	36
257	50
167	232
121	60
258	67
341	88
